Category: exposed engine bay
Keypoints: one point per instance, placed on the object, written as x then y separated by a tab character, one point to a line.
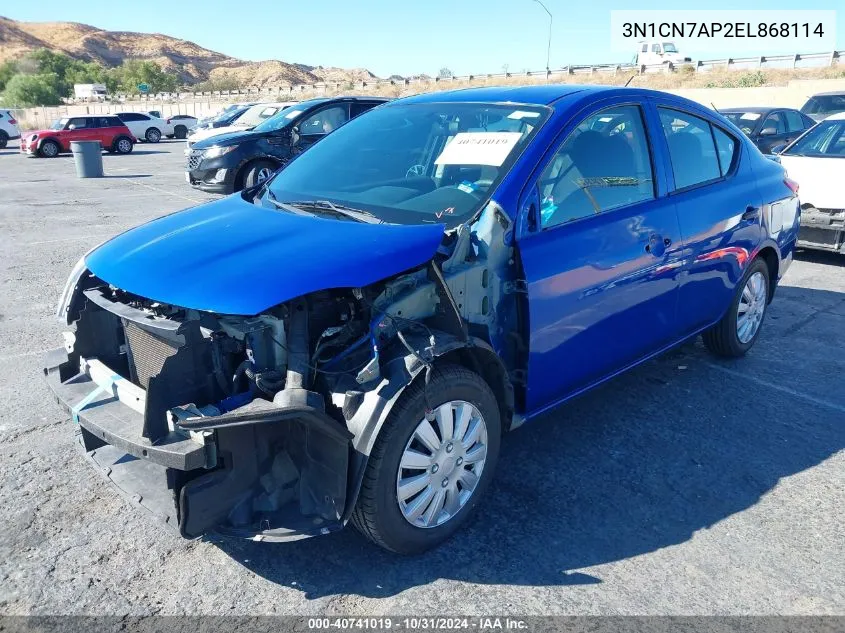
264	423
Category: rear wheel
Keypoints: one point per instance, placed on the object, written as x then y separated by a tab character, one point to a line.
4	139
736	333
49	149
180	131
122	145
424	479
258	172
153	135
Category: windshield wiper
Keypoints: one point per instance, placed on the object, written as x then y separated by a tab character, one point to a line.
359	215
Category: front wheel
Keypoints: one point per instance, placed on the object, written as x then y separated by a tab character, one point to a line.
738	330
49	149
258	172
180	131
425	478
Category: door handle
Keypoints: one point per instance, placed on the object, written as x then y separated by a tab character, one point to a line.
653	243
751	213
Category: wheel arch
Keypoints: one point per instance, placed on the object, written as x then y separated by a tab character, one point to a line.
54	139
770	255
240	174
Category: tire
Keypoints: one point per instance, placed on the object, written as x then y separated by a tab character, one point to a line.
152	135
727	338
378	514
122	145
4	139
180	132
258	172
49	149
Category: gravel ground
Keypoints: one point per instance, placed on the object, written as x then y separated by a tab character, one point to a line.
688	486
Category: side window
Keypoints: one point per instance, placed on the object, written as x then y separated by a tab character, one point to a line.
655	48
603	164
644	48
78	123
360	108
727	148
794	122
113	121
692	150
774	121
324	121
101	121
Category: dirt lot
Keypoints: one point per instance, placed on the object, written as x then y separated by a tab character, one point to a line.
688	486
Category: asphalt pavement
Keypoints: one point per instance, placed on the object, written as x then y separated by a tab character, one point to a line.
690	485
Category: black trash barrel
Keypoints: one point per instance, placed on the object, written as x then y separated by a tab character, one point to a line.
88	157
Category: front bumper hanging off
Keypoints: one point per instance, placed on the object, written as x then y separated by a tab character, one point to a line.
222	472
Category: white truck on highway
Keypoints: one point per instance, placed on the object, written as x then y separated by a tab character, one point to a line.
653	52
90	92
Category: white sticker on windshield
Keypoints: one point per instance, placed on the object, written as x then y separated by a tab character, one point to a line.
522	114
478	148
293	113
750	116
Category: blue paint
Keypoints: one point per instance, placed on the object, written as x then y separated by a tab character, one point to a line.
233	257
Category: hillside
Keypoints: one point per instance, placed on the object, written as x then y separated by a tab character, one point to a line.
191	62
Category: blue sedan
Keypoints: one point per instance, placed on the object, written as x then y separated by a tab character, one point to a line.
350	339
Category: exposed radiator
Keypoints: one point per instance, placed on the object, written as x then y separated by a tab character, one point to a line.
147	353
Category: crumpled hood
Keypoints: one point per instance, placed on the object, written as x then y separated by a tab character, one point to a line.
234	257
206	133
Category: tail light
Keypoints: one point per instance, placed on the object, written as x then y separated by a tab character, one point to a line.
12	121
793	186
167	121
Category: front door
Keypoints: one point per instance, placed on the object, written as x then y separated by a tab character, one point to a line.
602	265
316	125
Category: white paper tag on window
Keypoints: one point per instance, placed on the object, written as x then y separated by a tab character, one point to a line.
750	116
523	114
293	113
478	148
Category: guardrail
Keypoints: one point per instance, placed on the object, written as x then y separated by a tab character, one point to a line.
731	63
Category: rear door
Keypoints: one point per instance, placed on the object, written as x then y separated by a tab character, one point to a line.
601	260
719	210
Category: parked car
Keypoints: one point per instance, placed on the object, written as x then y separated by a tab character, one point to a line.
824	104
229	162
108	129
349	341
182	124
817	162
769	127
9	130
146	127
238	121
225	117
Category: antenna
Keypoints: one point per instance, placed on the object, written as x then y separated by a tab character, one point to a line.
630	79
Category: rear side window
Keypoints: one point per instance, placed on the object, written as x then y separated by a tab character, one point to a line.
692	148
131	116
794	121
726	147
774	124
602	165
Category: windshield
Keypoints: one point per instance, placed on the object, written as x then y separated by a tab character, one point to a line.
59	124
414	163
669	47
745	121
256	114
279	120
824	104
826	139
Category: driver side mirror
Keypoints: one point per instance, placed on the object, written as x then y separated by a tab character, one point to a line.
72	126
768	131
294	135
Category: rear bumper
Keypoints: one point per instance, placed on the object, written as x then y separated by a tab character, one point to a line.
822	229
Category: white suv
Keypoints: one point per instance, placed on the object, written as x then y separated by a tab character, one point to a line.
146	127
8	128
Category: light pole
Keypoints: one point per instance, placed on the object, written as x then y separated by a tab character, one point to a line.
549	47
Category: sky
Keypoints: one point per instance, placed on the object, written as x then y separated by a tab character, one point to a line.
395	37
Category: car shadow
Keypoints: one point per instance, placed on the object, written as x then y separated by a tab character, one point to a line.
638	464
128	176
137	151
820	257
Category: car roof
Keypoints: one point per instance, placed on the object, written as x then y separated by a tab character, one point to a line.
839	116
760	109
834	93
544	94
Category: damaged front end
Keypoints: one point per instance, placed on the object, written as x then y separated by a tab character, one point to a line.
261	426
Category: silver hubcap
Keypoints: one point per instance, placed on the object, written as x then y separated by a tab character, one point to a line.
154	136
263	174
441	464
49	149
751	308
124	145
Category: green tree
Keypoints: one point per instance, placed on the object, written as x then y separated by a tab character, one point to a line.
7	71
32	90
131	73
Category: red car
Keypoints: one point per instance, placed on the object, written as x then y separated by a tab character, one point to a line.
112	133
